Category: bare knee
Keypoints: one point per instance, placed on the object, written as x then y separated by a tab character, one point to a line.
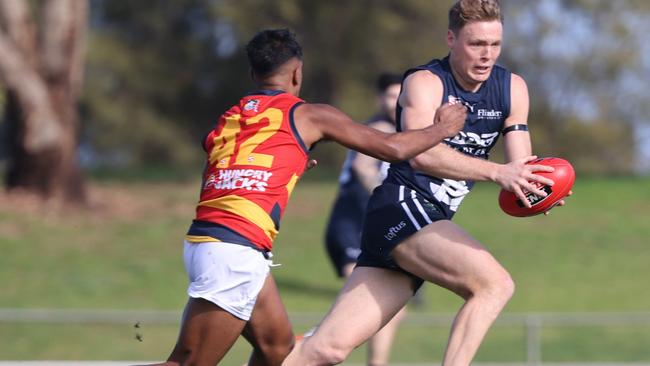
500	287
330	353
275	350
505	287
497	286
333	355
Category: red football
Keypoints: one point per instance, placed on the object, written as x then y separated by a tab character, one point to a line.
563	176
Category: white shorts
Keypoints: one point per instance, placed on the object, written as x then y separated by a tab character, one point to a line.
228	275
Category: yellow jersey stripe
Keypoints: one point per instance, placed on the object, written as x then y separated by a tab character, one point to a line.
292	183
200	239
247	209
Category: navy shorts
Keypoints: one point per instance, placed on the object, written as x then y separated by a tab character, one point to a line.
395	212
343	234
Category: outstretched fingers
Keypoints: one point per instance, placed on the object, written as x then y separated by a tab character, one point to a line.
535	168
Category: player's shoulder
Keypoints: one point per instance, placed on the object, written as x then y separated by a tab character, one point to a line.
421	86
315	110
422	79
422	76
311	120
517	84
516	79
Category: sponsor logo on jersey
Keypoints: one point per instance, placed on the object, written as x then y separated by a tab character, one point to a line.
473	143
489	114
481	113
252	105
450	192
393	230
249	179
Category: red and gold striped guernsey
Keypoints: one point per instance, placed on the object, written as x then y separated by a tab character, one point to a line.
254	158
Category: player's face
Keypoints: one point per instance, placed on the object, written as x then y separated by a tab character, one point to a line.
388	100
474	51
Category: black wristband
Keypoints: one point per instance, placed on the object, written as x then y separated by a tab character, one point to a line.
519	127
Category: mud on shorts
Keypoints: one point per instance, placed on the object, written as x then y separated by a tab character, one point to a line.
395	212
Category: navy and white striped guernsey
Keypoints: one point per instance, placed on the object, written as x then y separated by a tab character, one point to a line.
487	110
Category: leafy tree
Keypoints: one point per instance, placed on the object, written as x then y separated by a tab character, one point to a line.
159	73
42	71
583	61
155	82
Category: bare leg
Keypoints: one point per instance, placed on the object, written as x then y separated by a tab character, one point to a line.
368	300
380	344
444	254
269	329
441	253
207	333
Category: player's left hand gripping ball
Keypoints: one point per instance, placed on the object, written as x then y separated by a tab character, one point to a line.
564	176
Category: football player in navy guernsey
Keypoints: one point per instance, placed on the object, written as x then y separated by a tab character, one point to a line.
408	234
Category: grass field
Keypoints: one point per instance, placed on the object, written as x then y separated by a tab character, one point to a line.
125	253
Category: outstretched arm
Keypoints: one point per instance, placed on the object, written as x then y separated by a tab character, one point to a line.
317	122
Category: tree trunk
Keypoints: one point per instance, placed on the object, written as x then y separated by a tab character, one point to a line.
43	76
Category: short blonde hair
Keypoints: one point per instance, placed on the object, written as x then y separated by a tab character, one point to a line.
466	11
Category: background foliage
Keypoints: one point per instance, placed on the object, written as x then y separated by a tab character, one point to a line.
159	73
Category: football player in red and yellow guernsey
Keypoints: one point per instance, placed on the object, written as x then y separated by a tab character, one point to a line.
245	190
255	155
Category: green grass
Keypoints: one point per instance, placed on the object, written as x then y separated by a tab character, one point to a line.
125	253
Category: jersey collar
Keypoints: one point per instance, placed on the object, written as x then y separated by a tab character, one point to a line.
268	92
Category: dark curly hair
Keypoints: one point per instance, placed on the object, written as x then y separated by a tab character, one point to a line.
271	48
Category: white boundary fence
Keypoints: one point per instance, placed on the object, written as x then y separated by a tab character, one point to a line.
533	323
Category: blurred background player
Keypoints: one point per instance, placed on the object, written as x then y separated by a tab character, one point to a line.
359	176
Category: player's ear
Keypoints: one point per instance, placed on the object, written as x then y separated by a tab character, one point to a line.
297	75
451	37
